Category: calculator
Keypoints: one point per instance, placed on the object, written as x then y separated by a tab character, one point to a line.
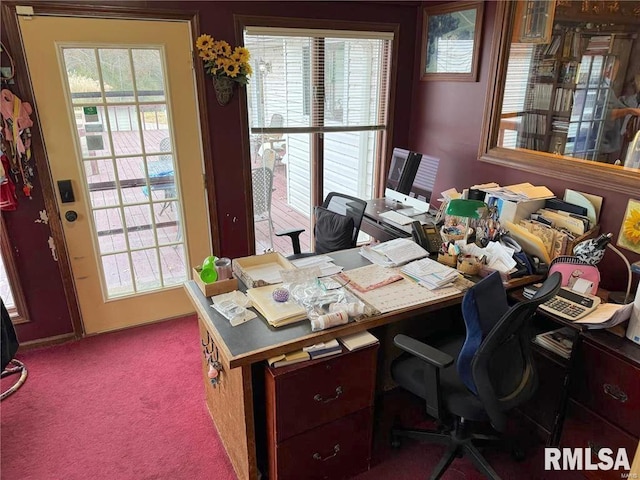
571	305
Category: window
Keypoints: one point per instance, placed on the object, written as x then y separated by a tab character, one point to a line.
319	100
10	290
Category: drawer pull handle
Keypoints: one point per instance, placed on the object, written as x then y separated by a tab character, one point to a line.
336	449
614	391
318	398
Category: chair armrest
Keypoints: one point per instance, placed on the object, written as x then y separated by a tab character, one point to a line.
423	351
294	235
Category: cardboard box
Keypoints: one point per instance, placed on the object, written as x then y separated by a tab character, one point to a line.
215	288
260	270
511	211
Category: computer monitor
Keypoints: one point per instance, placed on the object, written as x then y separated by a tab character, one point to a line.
411	179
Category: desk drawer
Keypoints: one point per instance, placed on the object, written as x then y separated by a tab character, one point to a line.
337	450
610	387
306	396
584	429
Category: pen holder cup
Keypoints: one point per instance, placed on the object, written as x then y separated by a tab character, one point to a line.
469	265
447	259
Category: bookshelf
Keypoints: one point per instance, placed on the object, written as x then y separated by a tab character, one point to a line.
549	100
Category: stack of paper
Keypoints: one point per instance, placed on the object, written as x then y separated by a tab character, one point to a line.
326	349
323	262
276	313
394	252
358	340
607	315
430	273
558	341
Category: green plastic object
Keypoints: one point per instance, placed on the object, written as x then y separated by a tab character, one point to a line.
459	207
209	275
209	262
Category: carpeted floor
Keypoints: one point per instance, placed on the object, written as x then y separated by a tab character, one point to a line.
130	405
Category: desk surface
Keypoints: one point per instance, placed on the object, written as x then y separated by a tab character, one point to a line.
256	340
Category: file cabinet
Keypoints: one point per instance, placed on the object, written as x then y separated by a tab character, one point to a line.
320	416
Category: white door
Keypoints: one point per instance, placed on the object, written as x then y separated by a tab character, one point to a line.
118	109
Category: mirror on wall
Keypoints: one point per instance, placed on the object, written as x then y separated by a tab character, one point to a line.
567	91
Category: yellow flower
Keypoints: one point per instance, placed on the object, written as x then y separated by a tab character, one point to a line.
631	226
232	69
242	53
222	48
207	55
220	62
236	57
247	68
204	42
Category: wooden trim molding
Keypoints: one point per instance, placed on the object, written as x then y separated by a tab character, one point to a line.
594	174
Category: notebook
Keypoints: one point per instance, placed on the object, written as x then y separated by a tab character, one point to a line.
358	340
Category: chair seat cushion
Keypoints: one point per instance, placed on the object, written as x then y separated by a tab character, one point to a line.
408	371
333	231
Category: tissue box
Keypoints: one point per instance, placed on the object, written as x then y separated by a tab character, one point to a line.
215	288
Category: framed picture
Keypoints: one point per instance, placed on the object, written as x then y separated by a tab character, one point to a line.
451	40
629	236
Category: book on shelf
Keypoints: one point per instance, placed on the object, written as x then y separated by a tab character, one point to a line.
289	358
558	341
323	349
358	340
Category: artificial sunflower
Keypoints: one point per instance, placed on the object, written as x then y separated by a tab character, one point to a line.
242	54
247	69
204	42
222	48
631	226
232	69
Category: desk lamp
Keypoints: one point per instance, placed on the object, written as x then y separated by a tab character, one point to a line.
592	251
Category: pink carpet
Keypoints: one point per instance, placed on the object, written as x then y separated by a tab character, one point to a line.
123	405
130	405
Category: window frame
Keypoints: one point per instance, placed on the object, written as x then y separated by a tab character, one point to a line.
242	21
19	314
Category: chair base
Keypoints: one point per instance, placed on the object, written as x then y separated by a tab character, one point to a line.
459	443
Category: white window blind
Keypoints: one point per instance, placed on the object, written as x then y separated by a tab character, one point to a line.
308	81
517	80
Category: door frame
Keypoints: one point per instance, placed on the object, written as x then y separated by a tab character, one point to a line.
14	44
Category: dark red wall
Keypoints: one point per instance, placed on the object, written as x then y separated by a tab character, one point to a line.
443	119
446	122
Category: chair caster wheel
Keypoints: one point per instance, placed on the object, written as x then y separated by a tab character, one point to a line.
517	454
395	442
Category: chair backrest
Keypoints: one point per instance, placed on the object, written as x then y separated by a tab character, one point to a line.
262	182
503	373
330	229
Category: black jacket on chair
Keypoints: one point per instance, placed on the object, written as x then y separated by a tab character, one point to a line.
9	339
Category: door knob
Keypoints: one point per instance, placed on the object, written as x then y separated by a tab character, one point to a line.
71	216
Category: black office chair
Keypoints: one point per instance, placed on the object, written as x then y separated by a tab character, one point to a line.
494	371
337	225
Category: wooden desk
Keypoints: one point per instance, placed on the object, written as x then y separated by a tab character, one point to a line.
242	351
591	400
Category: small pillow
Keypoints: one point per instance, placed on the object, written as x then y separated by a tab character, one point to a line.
333	231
